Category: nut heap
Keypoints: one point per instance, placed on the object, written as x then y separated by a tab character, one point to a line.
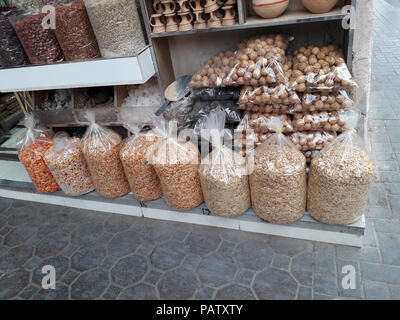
323	101
264	95
327	121
266	109
311	140
258	122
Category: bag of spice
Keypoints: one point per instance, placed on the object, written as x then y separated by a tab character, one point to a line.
101	147
68	166
340	177
117	26
223	173
74	32
32	146
278	180
141	175
176	162
11	51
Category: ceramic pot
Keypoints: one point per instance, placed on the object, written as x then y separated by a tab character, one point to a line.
158	7
169	5
186	21
196	5
214	21
229	16
156	23
201	20
184	6
319	6
230	2
210	6
269	9
172	22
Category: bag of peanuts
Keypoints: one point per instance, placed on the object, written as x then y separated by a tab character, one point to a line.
326	121
265	95
323	101
223	172
68	166
32	146
134	153
101	147
176	162
340	177
278	181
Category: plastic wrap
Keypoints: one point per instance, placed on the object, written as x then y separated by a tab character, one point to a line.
327	121
68	166
264	95
101	147
41	45
223	172
265	109
340	177
176	163
278	180
312	140
317	102
134	155
74	32
32	146
257	122
27	5
202	109
216	94
117	26
11	51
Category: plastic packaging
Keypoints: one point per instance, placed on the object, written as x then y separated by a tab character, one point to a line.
134	155
74	32
32	146
117	26
257	122
327	121
318	102
340	177
312	140
176	163
68	166
27	5
101	147
268	95
278	181
41	45
216	94
265	109
11	51
223	172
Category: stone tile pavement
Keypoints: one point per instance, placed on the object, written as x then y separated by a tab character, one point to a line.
106	256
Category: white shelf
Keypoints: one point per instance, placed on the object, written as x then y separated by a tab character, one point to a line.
94	73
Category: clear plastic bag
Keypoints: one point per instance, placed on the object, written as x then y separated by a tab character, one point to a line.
340	177
318	102
177	162
74	31
32	146
265	95
257	122
27	5
11	51
312	140
265	109
326	121
215	94
141	175
41	45
117	26
223	172
68	166
278	181
101	147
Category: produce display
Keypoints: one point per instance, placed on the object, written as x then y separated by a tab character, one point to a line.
311	140
68	166
268	108
223	172
327	121
258	123
264	95
101	147
323	101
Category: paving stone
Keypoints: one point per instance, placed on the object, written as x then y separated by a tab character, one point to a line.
88	257
28	292
178	284
52	245
90	285
281	261
69	250
304	293
152	277
15	257
378	212
145	249
117	223
325	284
3	250
3	221
227	248
5	230
86	234
381	273
318	296
26	215
244	277
112	293
204	293
129	270
60	264
287	246
69	277
344	279
157	232
60	293
139	292
191	261
179	235
377	196
394	292
33	263
216	270
124	243
202	243
389	245
68	227
105	237
168	255
4	204
254	255
369	234
11	284
387	226
390	177
362	254
386	165
393	188
395	205
302	268
324	259
234	292
272	284
81	216
376	291
109	262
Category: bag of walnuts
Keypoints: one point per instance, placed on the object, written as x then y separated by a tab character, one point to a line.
262	95
340	177
101	147
259	122
176	162
267	108
323	101
68	166
223	172
278	181
134	155
326	121
311	140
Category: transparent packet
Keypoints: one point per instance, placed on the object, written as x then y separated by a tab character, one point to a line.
323	101
265	95
326	121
